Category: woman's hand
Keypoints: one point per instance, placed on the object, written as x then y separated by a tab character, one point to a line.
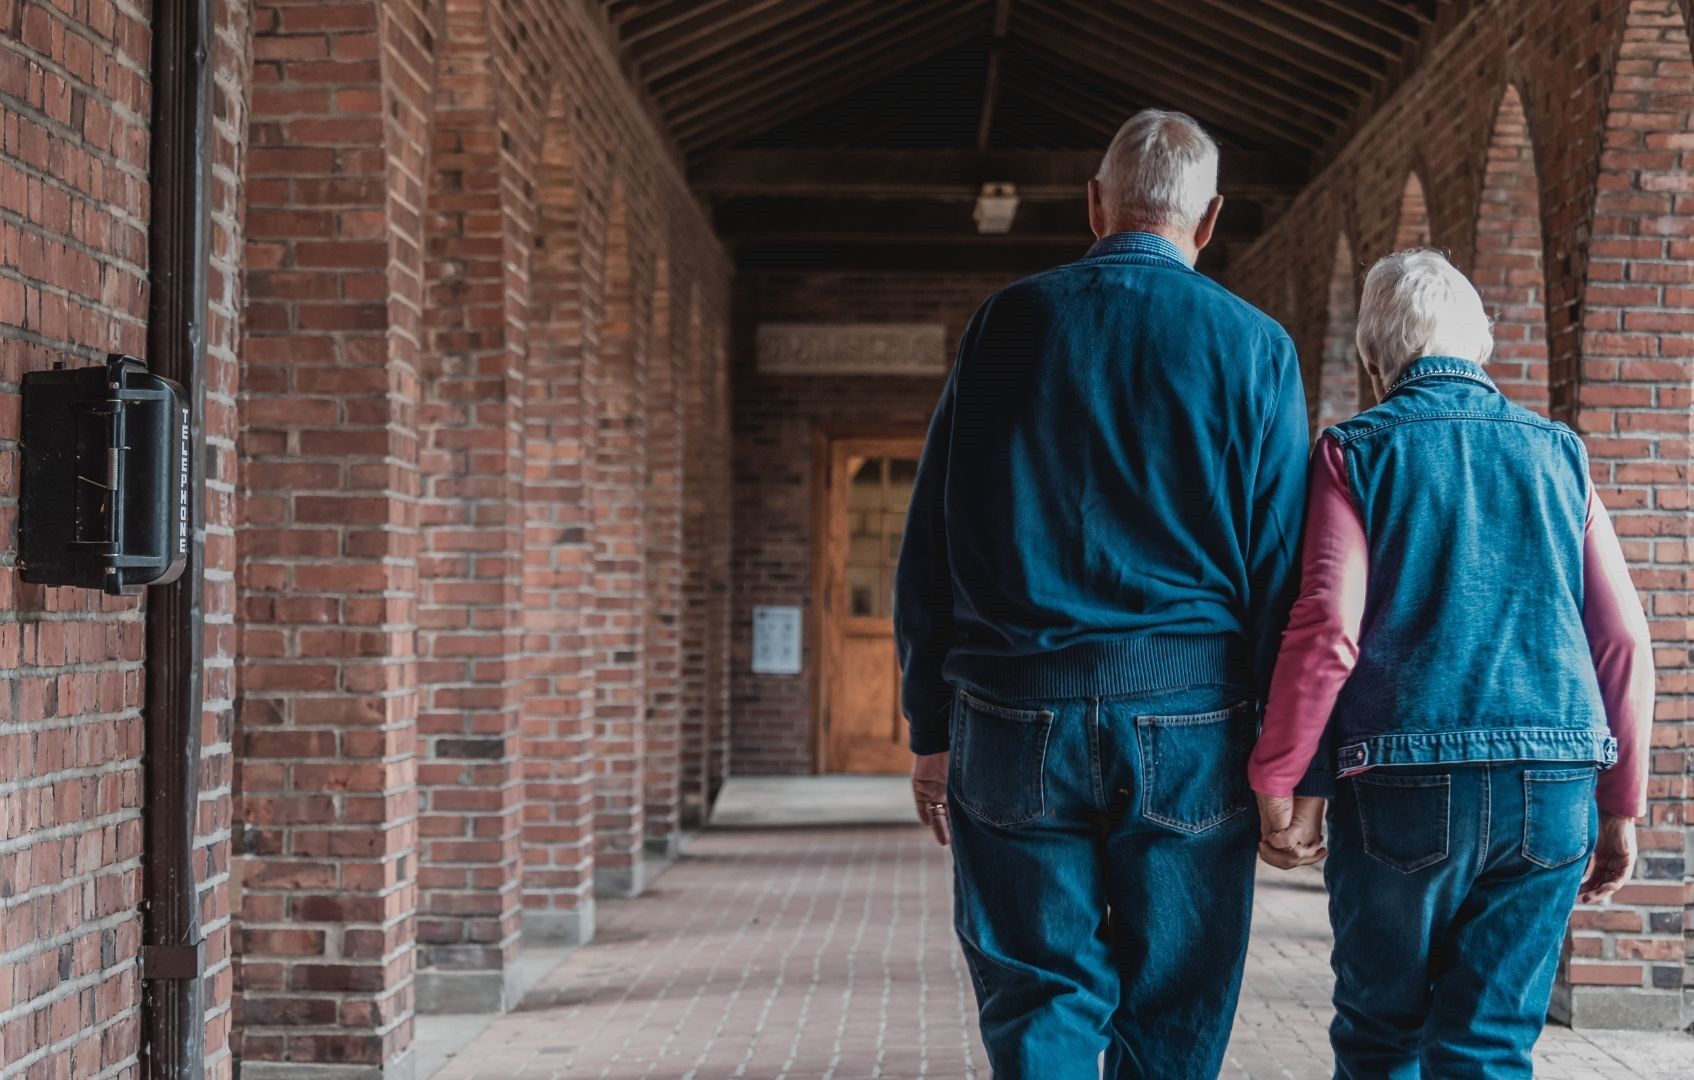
1291	830
929	792
1614	859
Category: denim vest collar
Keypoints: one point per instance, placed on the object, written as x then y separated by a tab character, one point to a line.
1137	243
1450	367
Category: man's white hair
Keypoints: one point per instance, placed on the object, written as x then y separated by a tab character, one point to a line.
1417	304
1160	171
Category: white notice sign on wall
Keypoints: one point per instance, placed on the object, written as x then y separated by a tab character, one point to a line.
776	640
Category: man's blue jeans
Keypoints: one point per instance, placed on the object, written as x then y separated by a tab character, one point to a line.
1103	853
1450	887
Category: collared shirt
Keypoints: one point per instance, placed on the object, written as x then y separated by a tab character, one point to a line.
1137	243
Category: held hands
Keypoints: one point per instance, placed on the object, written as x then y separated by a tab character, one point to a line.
1614	859
1290	830
929	792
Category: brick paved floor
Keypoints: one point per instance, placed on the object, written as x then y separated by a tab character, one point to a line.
828	952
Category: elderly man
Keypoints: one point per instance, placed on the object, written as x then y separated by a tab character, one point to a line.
1097	566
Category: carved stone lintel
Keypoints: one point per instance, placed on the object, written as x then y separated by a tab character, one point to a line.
851	349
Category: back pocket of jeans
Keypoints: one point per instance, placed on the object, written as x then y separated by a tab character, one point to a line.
1403	819
1194	768
1558	806
998	757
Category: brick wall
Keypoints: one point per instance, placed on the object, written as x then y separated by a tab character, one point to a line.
74	102
1604	92
410	516
776	419
426	469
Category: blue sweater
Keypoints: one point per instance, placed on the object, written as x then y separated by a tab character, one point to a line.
1110	498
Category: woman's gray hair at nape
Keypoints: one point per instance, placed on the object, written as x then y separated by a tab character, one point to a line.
1417	304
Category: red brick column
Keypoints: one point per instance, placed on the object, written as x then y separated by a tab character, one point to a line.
1508	262
662	729
696	571
1337	391
720	539
328	540
620	569
560	443
470	608
231	57
1626	960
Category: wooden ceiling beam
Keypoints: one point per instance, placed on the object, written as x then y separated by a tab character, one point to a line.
1158	79
1389	18
1175	19
845	75
711	71
678	48
1334	108
638	28
951	174
1326	44
1343	23
816	219
909	32
991	80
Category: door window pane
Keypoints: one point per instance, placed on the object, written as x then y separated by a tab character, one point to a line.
878	492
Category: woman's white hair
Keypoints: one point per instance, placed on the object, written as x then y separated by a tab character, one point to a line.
1417	304
1160	171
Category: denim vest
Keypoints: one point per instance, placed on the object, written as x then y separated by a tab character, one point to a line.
1472	646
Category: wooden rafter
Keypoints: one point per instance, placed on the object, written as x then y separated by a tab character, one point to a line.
900	38
950	174
826	82
991	80
1325	43
1333	104
1161	79
784	42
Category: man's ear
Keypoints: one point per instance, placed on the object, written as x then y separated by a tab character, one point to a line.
1096	210
1208	223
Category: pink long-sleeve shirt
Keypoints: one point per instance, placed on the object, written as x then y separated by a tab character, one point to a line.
1321	644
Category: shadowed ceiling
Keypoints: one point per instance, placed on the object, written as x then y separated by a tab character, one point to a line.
858	133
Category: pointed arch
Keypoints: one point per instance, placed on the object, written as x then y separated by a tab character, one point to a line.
1412	225
1509	265
1337	394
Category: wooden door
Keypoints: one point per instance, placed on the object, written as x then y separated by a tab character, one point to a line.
869	488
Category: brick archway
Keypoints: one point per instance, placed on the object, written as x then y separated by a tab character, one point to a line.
1337	395
1637	369
1509	259
1412	224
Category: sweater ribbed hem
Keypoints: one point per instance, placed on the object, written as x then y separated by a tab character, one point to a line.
1136	665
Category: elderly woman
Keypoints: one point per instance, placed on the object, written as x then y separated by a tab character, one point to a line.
1471	658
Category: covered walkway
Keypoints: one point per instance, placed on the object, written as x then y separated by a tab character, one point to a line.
827	951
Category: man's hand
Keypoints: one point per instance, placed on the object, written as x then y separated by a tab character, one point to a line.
929	791
1290	830
1614	859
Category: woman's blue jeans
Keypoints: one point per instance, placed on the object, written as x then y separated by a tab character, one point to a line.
1450	887
1103	853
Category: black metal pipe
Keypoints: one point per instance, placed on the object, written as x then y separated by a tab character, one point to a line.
173	950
